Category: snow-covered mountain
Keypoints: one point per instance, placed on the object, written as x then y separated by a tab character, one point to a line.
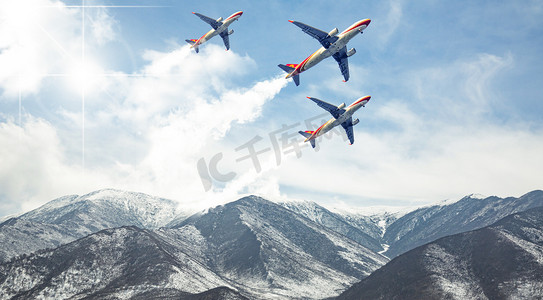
92	246
274	252
24	237
116	263
252	245
71	217
502	261
107	208
400	232
430	223
361	229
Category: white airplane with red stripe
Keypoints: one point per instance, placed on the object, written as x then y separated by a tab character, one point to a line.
220	27
333	44
341	115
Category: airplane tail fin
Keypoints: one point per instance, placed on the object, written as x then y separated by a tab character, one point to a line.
307	135
192	42
289	68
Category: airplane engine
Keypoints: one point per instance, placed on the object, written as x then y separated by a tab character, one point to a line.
355	121
219	19
351	52
231	31
342	105
333	32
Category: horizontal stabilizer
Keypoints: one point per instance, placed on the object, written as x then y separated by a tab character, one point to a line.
296	79
308	134
193	43
288	68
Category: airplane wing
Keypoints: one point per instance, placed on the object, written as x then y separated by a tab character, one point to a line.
318	34
332	109
348	126
209	20
341	58
226	39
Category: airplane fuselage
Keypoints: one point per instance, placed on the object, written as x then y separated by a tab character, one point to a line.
214	32
322	53
349	111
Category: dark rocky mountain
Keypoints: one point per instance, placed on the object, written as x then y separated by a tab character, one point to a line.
250	248
430	223
110	264
71	217
254	246
502	261
274	251
219	293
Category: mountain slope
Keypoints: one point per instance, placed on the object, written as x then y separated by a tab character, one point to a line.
106	208
255	246
502	261
365	233
71	217
120	262
24	237
430	223
273	251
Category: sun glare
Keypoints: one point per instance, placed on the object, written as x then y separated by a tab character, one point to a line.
85	76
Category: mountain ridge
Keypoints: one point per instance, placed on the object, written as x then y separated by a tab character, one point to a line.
503	260
254	247
430	223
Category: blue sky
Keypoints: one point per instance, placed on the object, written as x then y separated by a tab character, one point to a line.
456	101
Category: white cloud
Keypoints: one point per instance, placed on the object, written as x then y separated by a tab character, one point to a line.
33	166
461	88
178	107
102	25
41	38
146	131
389	24
437	142
184	136
420	165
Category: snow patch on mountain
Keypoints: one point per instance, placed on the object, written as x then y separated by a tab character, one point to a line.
143	210
477	196
458	283
534	249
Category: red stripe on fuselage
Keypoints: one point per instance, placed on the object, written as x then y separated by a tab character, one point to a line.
302	64
361	100
318	129
239	13
363	22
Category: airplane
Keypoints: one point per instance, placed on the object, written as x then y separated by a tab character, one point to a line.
220	27
341	116
333	44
